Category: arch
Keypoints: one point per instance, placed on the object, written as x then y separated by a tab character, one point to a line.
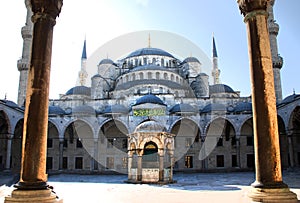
293	131
150	152
283	141
154	140
141	75
149	75
157	75
4	126
52	147
16	152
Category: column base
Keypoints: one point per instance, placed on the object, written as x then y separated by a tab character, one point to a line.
280	195
32	196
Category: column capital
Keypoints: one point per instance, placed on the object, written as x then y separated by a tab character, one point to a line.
46	9
248	6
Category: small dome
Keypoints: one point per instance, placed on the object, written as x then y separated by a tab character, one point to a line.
214	107
150	126
149	98
106	61
290	98
220	88
243	107
191	59
96	76
84	109
56	110
149	51
183	108
115	109
10	103
79	90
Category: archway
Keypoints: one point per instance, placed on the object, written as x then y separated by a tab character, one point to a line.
247	145
3	139
150	156
16	151
53	151
283	141
294	137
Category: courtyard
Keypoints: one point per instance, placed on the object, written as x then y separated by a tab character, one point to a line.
190	187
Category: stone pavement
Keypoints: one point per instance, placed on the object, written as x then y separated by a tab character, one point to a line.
191	187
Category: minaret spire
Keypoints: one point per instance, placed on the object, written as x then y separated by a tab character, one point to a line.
149	41
276	58
82	75
215	71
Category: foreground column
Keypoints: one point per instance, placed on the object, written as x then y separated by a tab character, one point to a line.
32	186
268	186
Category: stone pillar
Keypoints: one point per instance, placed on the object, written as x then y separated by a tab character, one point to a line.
33	186
129	165
8	151
268	186
95	159
139	168
61	154
238	152
291	150
161	168
172	162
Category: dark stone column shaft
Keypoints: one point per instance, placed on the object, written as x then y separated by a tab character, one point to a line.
34	145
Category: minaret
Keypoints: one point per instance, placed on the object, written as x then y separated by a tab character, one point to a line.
82	75
23	63
215	71
276	58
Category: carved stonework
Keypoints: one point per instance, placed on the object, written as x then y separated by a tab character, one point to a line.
50	7
247	6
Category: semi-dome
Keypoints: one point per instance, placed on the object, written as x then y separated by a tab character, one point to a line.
79	90
220	88
243	107
191	60
149	98
56	110
150	126
290	98
106	61
149	51
183	108
115	109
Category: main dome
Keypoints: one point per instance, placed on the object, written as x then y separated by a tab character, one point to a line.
149	51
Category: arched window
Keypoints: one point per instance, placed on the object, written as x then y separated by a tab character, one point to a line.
165	76
149	75
157	75
141	76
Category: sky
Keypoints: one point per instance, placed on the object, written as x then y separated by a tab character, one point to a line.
100	21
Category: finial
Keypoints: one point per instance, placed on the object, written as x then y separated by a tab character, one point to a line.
5	97
294	91
149	41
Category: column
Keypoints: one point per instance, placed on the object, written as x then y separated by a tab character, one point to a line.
238	152
139	168
268	186
95	159
291	150
61	154
161	168
32	186
129	165
8	151
171	153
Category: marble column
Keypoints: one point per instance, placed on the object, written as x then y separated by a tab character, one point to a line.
61	154
33	186
172	162
8	151
268	186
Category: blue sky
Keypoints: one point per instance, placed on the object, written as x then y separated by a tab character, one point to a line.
100	21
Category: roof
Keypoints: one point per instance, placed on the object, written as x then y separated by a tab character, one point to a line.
149	98
214	107
183	108
220	88
149	51
243	107
115	109
150	126
9	103
191	59
106	61
55	110
290	98
79	90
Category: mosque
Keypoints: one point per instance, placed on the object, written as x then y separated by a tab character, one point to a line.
149	114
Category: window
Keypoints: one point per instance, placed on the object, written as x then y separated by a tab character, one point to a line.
250	141
78	163
250	160
233	141
234	160
220	142
189	162
65	163
110	143
110	162
49	143
78	143
49	163
220	160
